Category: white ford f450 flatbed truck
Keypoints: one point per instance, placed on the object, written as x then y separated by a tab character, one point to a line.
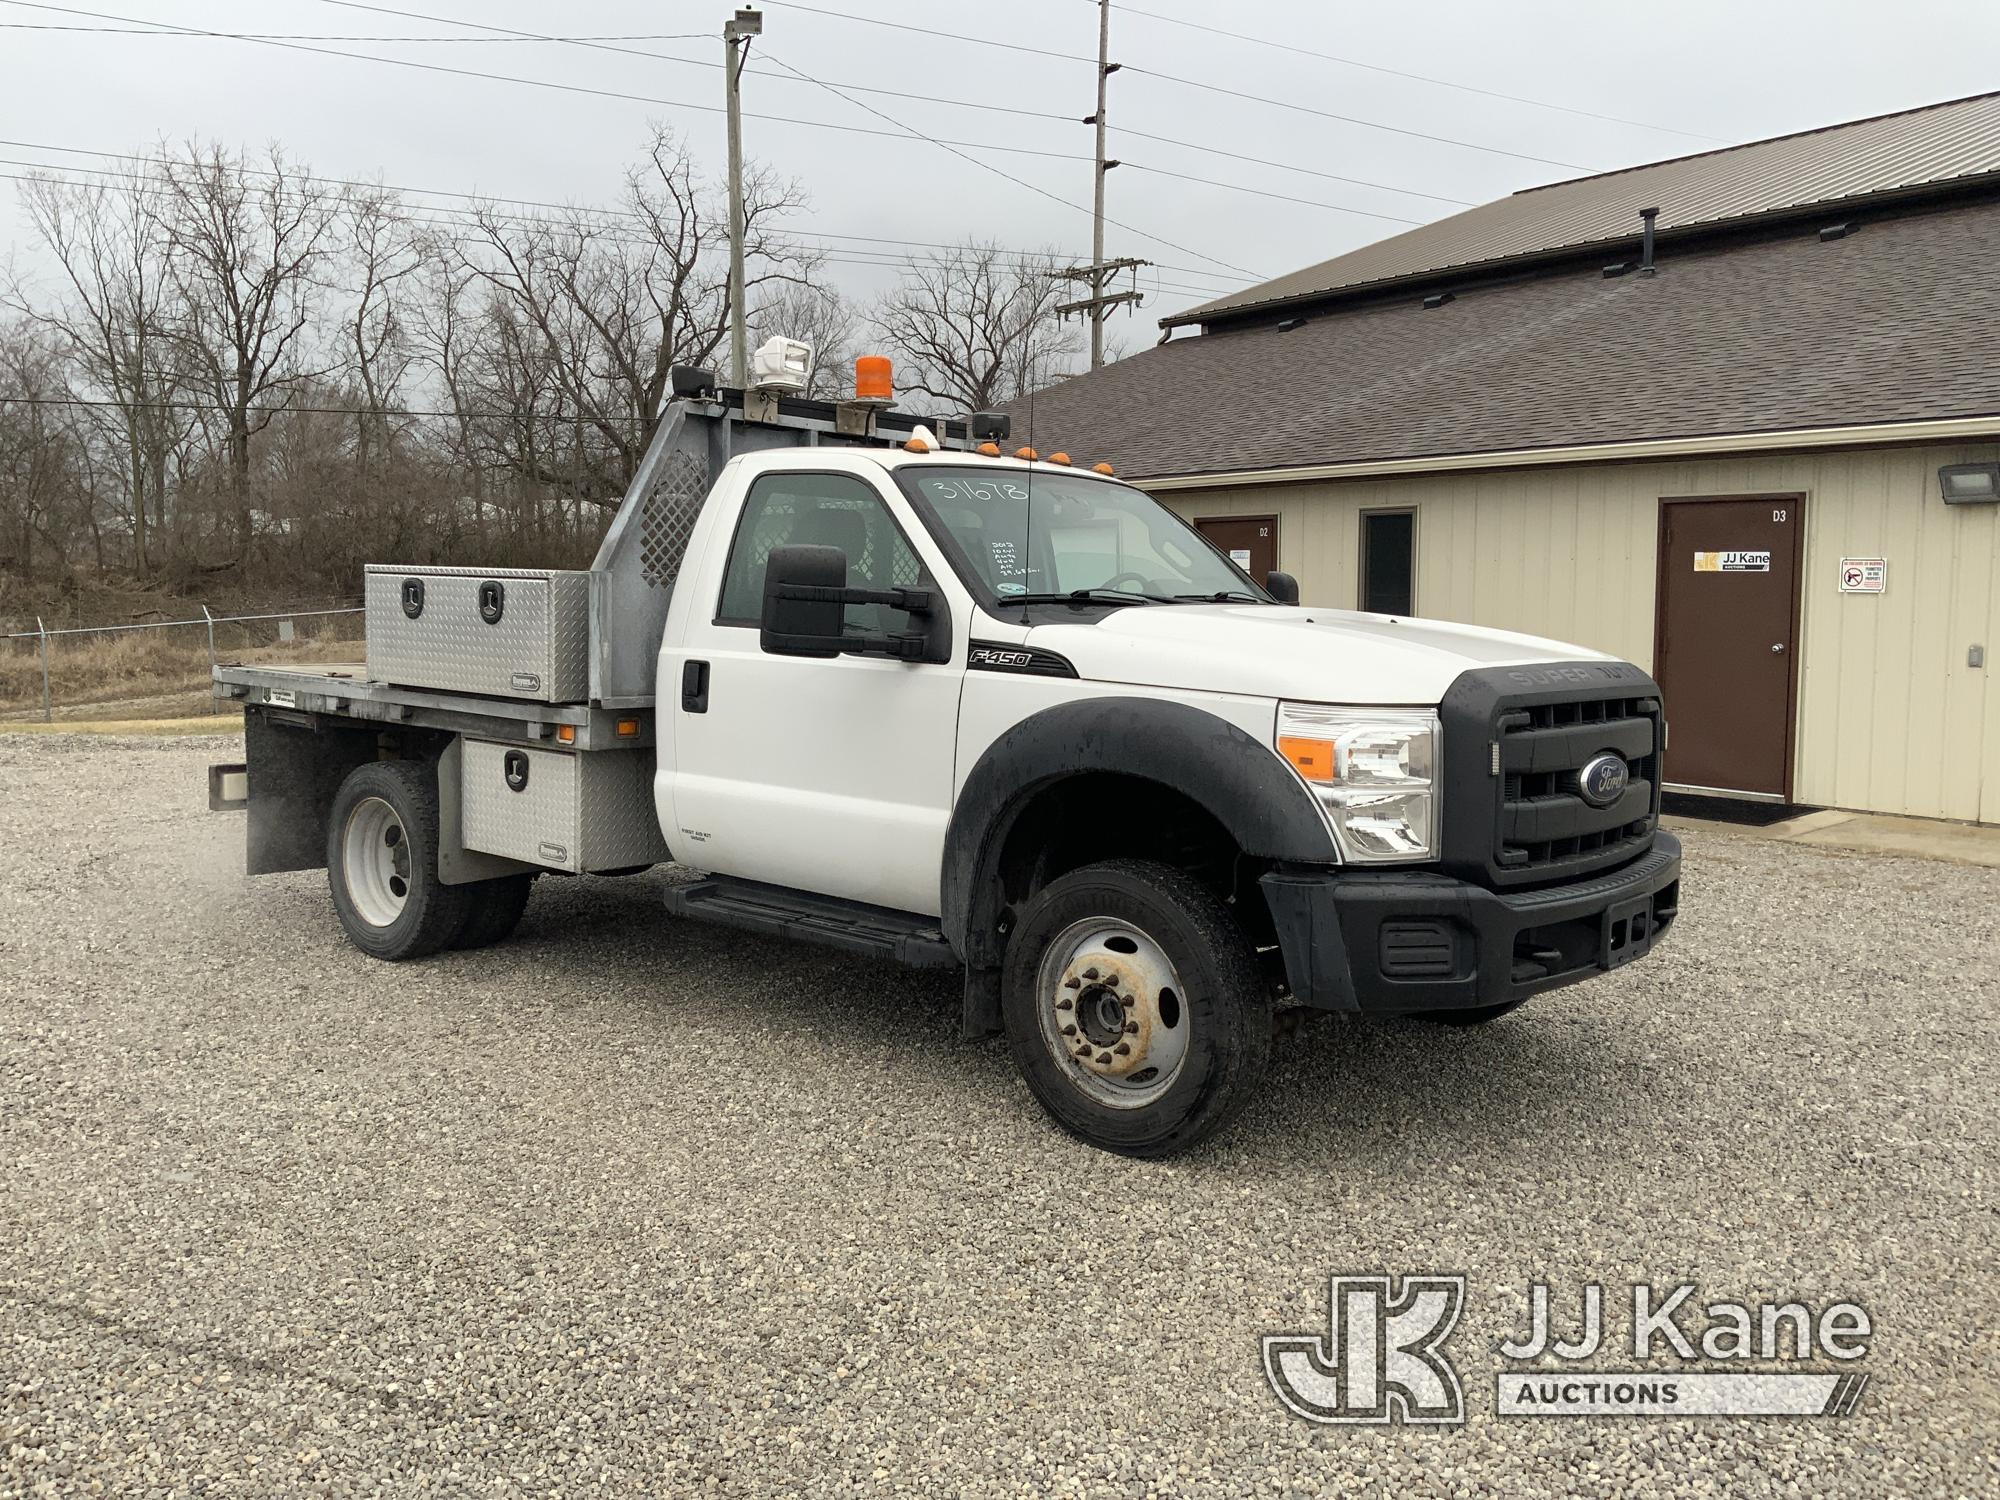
885	688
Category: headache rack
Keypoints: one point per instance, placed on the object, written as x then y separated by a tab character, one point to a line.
592	637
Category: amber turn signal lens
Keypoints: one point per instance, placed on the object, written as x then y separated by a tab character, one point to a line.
1312	759
1102	469
991	450
872	380
565	734
1028	453
628	729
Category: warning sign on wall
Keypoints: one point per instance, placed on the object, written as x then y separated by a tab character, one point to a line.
1732	562
1864	575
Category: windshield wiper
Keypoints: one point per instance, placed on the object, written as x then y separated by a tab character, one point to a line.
1088	596
1223	596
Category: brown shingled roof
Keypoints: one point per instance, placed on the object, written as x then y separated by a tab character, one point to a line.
1893	323
1957	140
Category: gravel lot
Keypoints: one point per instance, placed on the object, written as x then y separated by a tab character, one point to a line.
648	1208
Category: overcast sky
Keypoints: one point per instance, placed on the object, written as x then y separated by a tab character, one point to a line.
1714	71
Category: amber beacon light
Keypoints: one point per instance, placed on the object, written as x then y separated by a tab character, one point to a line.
872	379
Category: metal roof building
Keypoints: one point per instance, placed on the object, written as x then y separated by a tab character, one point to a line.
1508	417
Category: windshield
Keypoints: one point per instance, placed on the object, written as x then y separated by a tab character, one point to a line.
1025	535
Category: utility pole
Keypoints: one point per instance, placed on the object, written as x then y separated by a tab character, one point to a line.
1097	202
736	34
1096	273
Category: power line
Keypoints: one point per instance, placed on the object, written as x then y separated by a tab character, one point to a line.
1443	83
480	199
319	411
540	83
313	36
468	219
1327	114
1244	187
988	166
1285	166
839	91
600	45
933	34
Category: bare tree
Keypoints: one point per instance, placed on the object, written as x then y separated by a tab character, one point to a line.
381	250
973	327
245	249
605	307
108	318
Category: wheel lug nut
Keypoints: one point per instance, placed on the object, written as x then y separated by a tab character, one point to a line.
1128	1001
1131	1027
1123	1049
1072	983
1104	1057
1090	973
1111	980
1069	1031
1063	1004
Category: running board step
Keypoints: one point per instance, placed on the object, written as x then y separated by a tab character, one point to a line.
901	937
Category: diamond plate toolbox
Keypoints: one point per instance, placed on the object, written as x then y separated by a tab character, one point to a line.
501	632
573	810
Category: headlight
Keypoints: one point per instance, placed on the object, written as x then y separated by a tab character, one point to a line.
1373	770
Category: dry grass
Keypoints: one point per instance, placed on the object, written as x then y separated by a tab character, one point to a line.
155	673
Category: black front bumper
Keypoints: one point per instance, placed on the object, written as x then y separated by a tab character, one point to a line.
1389	943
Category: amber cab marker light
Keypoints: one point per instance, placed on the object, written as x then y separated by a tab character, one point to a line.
1102	469
565	734
628	729
1028	453
872	379
1312	759
916	445
989	450
1058	458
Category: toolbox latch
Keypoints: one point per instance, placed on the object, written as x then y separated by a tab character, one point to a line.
492	601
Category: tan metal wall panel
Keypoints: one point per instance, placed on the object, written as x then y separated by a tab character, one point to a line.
1890	716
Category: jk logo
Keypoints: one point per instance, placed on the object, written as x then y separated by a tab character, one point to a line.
1381	1359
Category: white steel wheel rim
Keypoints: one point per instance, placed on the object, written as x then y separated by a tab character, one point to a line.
375	855
1113	1012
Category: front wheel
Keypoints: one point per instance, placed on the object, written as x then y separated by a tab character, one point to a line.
381	862
1134	1008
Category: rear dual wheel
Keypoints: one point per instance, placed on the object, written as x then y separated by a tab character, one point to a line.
381	863
1134	1007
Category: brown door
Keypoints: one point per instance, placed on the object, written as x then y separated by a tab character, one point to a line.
1251	542
1726	646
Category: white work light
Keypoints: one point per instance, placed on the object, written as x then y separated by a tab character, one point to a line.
781	364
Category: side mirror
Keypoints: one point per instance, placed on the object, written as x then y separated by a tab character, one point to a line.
1282	587
803	607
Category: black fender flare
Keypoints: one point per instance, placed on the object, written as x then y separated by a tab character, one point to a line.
1237	778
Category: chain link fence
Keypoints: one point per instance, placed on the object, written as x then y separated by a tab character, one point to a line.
81	665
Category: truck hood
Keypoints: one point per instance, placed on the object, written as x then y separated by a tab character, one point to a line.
1317	655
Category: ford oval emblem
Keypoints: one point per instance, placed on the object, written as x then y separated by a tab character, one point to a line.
1602	779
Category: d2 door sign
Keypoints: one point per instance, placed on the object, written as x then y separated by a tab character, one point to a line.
1863	575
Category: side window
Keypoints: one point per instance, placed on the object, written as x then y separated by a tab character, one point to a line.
826	510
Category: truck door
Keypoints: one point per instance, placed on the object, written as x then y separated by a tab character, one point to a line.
833	776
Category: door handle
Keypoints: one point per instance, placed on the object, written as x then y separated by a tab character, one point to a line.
694	687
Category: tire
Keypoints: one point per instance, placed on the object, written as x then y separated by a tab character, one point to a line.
1199	1046
1474	1016
495	910
381	863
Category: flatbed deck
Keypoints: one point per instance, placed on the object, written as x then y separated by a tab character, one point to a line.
345	690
